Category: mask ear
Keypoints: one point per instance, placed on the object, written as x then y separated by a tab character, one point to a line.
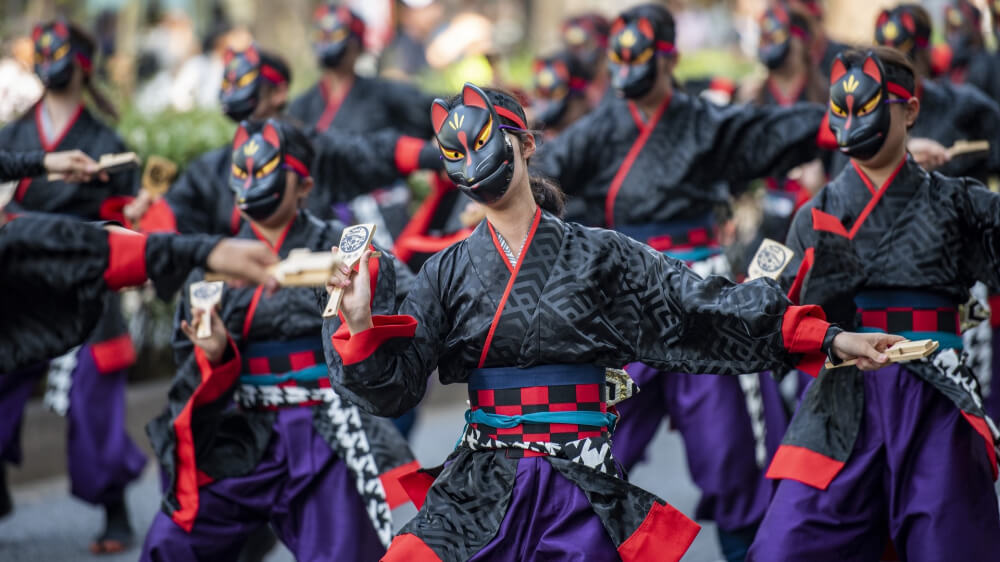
616	27
882	18
61	29
838	70
646	28
473	96
271	134
439	114
36	32
873	67
241	136
228	56
252	54
909	23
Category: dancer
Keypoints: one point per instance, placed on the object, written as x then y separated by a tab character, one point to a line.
560	92
585	38
102	458
970	62
887	245
345	101
528	311
293	453
655	166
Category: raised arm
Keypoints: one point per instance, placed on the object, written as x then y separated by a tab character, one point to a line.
383	361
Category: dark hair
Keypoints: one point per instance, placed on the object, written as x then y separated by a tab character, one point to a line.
664	28
897	67
817	87
594	21
83	41
546	191
297	142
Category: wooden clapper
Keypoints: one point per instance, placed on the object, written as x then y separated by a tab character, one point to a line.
204	296
902	352
157	175
771	260
968	147
353	243
110	163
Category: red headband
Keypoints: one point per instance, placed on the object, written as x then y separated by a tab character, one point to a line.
84	61
899	90
665	47
272	74
576	84
504	112
798	32
296	165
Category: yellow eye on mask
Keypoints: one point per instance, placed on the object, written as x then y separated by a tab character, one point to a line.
247	78
837	110
452	154
267	168
236	171
871	105
485	133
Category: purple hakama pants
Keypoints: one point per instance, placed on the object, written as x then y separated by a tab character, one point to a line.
102	459
300	487
710	411
918	474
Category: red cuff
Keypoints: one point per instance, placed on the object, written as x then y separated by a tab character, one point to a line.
126	260
114	354
159	218
113	208
824	137
803	329
408	154
792	462
994	302
360	346
216	379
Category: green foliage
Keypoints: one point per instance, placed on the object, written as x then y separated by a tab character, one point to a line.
713	62
178	136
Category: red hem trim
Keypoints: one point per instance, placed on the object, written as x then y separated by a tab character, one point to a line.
360	346
665	531
395	492
126	260
407	154
214	381
408	547
417	484
113	208
794	293
633	152
792	462
510	283
979	424
994	302
113	355
22	188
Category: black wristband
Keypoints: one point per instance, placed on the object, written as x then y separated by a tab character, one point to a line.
827	348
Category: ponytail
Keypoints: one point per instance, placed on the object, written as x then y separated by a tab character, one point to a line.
100	100
547	194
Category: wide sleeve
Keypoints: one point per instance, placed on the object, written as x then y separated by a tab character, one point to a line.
385	369
686	323
170	257
979	209
410	109
193	211
357	164
760	141
15	165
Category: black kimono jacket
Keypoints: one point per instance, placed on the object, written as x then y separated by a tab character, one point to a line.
922	232
16	164
202	423
346	166
372	104
57	270
577	295
678	170
96	200
983	72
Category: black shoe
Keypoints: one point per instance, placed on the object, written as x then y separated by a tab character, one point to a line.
117	535
6	504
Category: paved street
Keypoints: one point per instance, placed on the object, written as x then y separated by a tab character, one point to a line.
50	525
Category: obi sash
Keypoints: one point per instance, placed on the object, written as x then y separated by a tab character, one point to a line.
551	404
687	240
278	374
914	315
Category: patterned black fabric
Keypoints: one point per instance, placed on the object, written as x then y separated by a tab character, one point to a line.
928	233
346	165
230	442
371	105
15	165
683	169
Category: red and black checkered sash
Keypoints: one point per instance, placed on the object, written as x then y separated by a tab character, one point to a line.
511	391
688	240
911	314
278	374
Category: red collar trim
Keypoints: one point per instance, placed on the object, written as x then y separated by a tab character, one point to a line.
332	104
48	146
281	239
616	183
876	195
780	97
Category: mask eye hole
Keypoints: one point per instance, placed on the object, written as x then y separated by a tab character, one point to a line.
247	78
452	154
837	110
267	168
871	105
239	172
484	135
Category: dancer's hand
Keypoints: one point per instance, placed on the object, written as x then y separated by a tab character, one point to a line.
247	260
929	154
74	165
356	303
867	348
213	346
